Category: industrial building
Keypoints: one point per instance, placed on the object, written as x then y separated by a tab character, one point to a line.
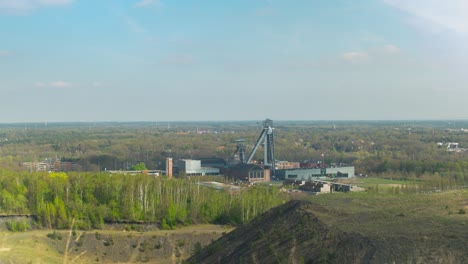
284	165
213	162
52	165
190	167
248	172
318	187
314	174
242	166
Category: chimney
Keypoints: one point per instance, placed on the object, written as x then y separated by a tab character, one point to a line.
169	167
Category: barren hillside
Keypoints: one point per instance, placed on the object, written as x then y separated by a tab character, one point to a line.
307	232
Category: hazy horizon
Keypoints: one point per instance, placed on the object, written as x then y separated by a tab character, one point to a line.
253	121
161	60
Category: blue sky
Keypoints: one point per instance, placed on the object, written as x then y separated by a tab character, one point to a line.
169	60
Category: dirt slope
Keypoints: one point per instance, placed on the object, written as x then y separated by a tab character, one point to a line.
106	246
293	233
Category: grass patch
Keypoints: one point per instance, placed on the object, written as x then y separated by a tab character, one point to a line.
384	213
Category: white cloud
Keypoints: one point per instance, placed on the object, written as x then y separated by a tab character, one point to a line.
391	49
5	53
54	84
355	56
147	3
435	15
24	6
370	54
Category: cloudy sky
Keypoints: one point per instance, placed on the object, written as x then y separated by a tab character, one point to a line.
170	60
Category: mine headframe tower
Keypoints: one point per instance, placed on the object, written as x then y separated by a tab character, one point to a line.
266	137
240	150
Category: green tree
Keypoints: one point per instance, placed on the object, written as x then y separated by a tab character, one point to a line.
139	167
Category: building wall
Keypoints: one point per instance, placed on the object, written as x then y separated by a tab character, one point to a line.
213	162
237	174
52	165
189	166
194	168
248	173
169	167
283	165
266	174
256	175
310	174
208	171
346	172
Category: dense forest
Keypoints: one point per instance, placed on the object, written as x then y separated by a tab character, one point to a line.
92	199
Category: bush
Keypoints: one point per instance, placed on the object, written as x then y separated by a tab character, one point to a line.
18	226
109	242
55	235
143	246
462	211
197	248
165	226
180	243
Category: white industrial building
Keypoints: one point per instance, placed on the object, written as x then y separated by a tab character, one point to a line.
316	174
193	168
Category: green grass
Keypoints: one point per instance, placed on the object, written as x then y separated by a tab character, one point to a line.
27	247
430	214
370	182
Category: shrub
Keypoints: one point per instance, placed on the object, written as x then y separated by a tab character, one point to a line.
18	226
180	243
109	242
55	235
165	226
197	247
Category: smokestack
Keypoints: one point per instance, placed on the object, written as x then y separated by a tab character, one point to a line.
169	167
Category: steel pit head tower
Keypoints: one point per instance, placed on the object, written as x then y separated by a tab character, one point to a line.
266	136
240	150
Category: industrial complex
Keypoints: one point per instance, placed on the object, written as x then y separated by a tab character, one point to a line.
241	167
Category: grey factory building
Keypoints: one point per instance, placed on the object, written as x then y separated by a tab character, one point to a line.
315	174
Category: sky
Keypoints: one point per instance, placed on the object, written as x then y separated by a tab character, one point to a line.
174	60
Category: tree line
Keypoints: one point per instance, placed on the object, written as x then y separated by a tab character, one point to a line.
92	199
